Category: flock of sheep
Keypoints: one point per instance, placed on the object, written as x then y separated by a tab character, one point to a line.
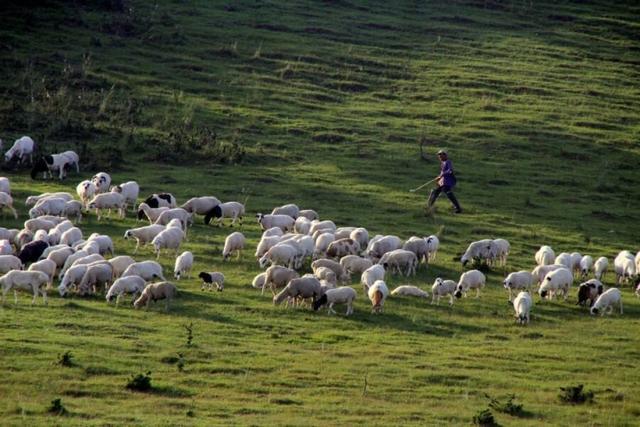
51	245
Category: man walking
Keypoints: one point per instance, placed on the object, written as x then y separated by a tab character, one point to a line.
446	181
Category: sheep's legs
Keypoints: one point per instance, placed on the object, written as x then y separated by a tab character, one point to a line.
477	292
620	306
15	297
44	297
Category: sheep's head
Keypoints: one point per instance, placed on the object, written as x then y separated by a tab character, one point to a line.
319	302
142	300
62	289
594	311
127	234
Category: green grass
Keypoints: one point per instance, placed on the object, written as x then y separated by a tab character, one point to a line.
536	102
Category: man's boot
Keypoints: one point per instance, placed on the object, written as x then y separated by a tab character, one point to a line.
454	201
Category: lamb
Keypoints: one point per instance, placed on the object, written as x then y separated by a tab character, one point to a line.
97	274
6	201
371	275
169	238
522	306
301	287
200	205
472	279
86	191
410	291
259	280
21	149
290	210
401	261
326	225
600	267
185	218
586	263
33	281
541	271
322	244
33	200
441	288
589	291
342	247
565	259
384	245
625	266
158	200
418	246
36	224
133	285
341	274
212	278
277	277
9	262
31	251
478	250
47	267
155	292
107	201
499	251
556	281
360	235
102	181
606	301
148	270
378	293
342	295
71	236
280	254
284	222
354	264
433	243
518	280
233	210
5	185
143	235
183	266
326	274
152	214
233	243
130	191
545	255
310	214
120	264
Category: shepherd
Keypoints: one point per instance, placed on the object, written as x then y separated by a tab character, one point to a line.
446	181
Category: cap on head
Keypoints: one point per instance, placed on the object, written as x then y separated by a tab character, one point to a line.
441	152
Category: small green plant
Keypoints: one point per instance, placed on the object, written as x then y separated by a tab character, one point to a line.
484	418
56	407
181	362
66	359
508	407
189	329
140	382
575	395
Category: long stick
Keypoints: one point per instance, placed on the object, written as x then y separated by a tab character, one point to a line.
413	190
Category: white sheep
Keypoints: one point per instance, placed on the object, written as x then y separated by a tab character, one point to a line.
378	293
31	281
472	279
36	224
606	301
433	244
360	235
9	262
310	214
6	201
289	210
341	247
522	306
300	288
156	291
105	243
401	261
55	234
589	291
73	209
322	243
143	235
284	222
273	231
6	248
259	280
586	264
355	264
499	251
200	205
545	255
183	265
371	275
541	271
130	191
72	277
342	295
302	225
120	264
557	281
5	185
341	274
47	267
326	274
102	181
383	245
185	218
478	250
600	267
33	200
133	285
169	238
281	254
266	243
86	190
152	214
21	149
625	266
70	259
410	291
97	274
576	257
148	270
71	236
212	278
55	163
277	276
518	280
418	246
48	206
565	259
326	225
441	288
233	243
107	201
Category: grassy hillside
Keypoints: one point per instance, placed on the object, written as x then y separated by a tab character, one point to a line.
325	104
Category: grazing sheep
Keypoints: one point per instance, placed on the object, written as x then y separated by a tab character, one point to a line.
378	293
290	210
281	254
589	291
341	274
522	306
105	244
302	288
418	246
71	236
5	185
266	243
31	251
472	279
73	209
576	257
600	267
169	238
557	281
47	267
130	191
22	238
59	256
183	266
354	264
343	232
586	263
326	274
30	281
41	235
606	301
133	285
6	201
259	281
382	246
212	278
155	292
6	248
441	288
143	235
107	201
322	243
72	277
342	295
120	264
273	231
33	200
148	270
342	247
518	280
70	260
158	200
478	250
302	225
102	182
277	277
400	261
36	224
433	243
8	234
284	222
48	206
499	251
541	271
55	234
152	214
86	191
233	210
9	262
545	255
371	275
55	163
360	235
310	214
185	218
625	266
20	150
326	225
410	291
564	259
233	243
200	205
97	274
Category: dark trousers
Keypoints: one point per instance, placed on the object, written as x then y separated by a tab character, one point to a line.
435	193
